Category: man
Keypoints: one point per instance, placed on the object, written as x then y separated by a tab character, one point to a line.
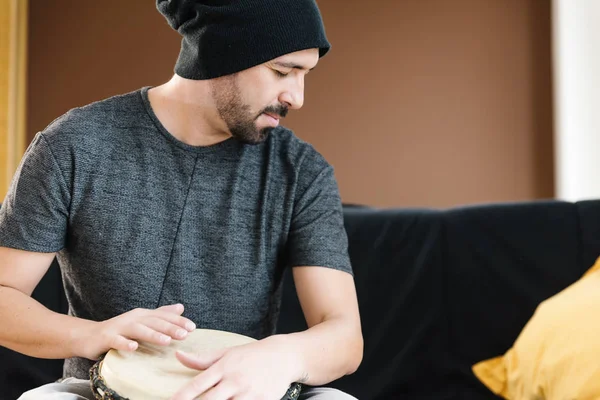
179	206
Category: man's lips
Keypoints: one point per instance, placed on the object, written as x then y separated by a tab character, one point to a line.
275	117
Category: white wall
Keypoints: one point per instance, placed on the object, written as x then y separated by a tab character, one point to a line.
576	41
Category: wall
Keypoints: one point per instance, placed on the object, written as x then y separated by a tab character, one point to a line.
13	90
419	103
577	96
85	51
5	41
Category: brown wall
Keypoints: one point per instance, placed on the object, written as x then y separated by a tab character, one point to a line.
419	103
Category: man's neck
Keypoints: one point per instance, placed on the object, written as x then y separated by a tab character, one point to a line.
186	111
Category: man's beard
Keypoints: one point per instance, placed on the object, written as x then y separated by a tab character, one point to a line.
237	115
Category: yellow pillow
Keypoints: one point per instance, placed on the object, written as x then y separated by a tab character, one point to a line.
557	355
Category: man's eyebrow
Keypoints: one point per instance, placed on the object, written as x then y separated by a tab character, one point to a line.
292	65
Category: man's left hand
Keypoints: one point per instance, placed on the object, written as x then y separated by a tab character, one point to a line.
259	370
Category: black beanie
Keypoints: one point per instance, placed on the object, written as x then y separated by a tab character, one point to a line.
221	37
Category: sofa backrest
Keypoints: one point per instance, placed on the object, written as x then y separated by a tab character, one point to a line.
442	289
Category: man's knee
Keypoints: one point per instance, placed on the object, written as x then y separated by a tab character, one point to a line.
69	389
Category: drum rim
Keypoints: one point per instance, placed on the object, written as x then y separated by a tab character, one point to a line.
102	392
99	388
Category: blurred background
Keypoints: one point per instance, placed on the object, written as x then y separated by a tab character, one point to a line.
420	103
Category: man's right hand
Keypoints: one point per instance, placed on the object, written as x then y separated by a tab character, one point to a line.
123	332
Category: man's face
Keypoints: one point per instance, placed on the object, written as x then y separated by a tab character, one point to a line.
253	101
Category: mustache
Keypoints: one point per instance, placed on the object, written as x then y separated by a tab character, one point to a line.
279	110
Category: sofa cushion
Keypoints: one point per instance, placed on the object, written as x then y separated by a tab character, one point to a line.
556	355
502	260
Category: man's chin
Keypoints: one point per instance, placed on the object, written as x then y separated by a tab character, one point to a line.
257	137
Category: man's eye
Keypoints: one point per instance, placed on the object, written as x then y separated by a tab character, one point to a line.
281	74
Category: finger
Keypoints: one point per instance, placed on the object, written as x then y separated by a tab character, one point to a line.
122	343
201	361
168	328
172	308
141	332
199	385
174	319
242	396
223	390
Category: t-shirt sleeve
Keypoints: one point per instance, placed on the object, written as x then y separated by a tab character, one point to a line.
35	211
317	234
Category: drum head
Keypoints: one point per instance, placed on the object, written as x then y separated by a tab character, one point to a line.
153	372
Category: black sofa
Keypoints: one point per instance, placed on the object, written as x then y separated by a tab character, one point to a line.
438	290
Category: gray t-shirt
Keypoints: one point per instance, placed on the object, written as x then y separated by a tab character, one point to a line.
140	219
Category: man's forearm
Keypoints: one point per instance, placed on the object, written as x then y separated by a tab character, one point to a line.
31	329
325	352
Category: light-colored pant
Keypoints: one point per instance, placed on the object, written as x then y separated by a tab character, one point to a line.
79	389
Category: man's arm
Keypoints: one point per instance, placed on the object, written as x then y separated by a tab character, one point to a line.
32	329
28	326
332	346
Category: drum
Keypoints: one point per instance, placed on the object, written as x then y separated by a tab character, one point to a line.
152	372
